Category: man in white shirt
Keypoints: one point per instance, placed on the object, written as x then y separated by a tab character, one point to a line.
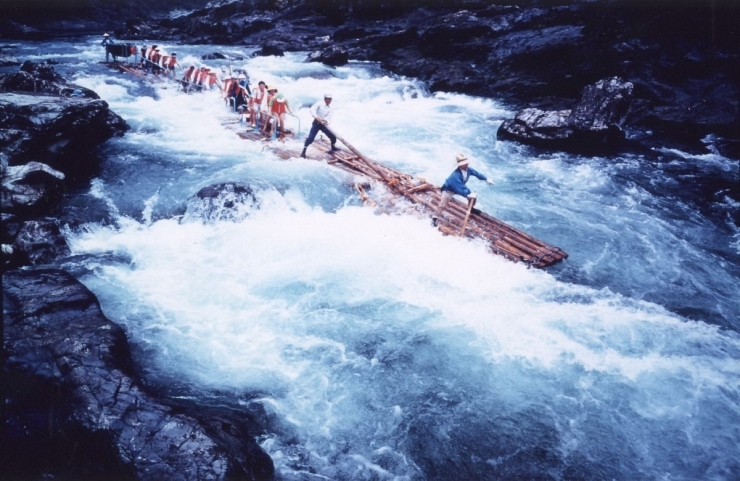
321	113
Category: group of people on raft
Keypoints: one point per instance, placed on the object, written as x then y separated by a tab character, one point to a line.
266	109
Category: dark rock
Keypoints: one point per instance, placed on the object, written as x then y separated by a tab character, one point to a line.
595	123
231	201
213	56
31	189
334	56
41	78
602	105
72	406
61	132
271	49
40	242
42	71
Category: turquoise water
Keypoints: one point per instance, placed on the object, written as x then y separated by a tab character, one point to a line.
379	349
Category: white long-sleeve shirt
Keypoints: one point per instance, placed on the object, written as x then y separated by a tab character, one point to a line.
321	111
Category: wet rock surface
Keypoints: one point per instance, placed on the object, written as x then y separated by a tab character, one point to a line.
49	132
74	410
230	201
593	125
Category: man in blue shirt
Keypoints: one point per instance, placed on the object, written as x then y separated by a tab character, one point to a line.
455	184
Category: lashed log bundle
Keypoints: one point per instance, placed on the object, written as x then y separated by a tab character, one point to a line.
503	239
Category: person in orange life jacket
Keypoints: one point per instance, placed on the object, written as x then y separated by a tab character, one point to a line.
106	41
455	184
258	103
321	113
271	94
278	106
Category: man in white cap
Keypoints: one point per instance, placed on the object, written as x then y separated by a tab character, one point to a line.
455	184
321	113
106	41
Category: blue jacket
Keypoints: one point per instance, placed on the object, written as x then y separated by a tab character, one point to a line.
455	183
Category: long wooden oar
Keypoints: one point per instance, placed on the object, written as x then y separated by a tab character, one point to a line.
367	161
471	203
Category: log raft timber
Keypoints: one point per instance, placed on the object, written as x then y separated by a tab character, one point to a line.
503	239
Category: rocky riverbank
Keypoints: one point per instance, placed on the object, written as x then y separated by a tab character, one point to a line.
683	60
74	406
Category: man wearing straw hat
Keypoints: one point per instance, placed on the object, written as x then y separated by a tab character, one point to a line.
320	113
455	184
106	41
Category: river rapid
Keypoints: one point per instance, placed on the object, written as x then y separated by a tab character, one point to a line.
377	349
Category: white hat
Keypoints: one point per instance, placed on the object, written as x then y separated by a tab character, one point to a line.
241	75
327	95
462	160
106	35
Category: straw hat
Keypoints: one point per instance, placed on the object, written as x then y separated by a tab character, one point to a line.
271	87
462	160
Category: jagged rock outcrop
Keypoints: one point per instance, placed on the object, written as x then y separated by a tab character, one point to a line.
594	123
41	78
334	56
74	410
58	131
39	242
47	142
31	189
229	201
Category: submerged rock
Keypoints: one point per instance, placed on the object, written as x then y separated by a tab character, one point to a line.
73	408
230	201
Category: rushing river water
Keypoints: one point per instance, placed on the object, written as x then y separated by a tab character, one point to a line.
379	349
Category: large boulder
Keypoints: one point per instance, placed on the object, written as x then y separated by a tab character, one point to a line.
595	123
39	242
30	189
73	408
41	78
58	131
334	56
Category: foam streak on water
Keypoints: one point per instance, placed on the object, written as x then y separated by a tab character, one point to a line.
382	350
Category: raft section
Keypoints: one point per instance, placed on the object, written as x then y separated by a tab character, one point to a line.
502	239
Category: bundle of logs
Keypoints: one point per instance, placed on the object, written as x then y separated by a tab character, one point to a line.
457	219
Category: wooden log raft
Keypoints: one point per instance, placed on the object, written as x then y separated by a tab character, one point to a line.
503	239
456	219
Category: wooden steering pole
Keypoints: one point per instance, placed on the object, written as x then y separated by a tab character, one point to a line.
471	203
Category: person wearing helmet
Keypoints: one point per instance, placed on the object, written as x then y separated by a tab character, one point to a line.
321	113
455	184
